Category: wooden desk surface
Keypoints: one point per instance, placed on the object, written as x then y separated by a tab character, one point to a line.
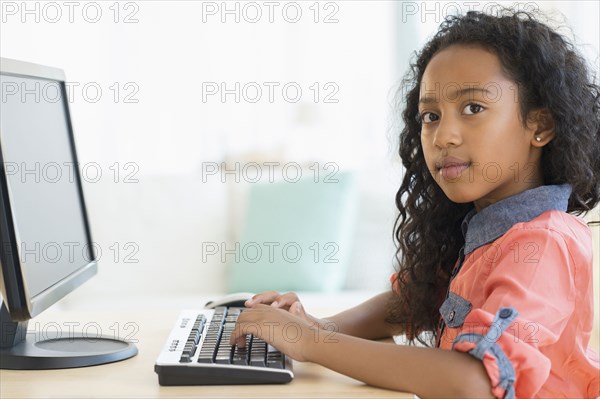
135	377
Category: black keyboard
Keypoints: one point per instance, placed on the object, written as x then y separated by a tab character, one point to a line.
198	352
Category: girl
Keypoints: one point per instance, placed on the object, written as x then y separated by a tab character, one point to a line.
501	145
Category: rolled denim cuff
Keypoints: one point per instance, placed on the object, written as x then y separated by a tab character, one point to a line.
487	345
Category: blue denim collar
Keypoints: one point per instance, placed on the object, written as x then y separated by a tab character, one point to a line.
480	228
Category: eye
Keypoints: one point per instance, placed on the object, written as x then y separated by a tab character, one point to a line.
423	117
472	107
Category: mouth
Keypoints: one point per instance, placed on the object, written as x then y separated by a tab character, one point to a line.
452	168
451	172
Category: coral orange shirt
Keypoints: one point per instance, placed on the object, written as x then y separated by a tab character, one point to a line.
521	297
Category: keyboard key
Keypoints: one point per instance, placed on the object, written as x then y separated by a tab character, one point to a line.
185	358
275	361
274	358
242	355
258	352
224	355
205	357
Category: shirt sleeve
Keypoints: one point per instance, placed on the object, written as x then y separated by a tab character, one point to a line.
529	297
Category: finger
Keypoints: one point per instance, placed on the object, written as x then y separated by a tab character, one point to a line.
238	335
285	301
237	338
264	297
297	309
274	298
244	326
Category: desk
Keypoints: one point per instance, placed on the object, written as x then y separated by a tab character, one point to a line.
135	377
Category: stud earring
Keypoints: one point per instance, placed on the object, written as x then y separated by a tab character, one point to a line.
538	139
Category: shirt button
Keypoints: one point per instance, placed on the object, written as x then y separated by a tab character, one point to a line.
505	313
451	316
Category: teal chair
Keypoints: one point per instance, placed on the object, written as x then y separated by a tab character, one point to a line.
296	236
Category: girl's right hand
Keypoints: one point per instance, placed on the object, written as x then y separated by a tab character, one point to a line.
288	301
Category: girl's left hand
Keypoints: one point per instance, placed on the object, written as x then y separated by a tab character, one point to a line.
288	333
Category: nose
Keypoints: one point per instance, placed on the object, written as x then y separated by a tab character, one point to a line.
447	132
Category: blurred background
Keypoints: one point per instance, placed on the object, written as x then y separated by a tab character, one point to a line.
231	146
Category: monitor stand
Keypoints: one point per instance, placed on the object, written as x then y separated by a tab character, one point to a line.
21	351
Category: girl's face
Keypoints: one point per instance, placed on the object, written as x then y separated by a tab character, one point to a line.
475	145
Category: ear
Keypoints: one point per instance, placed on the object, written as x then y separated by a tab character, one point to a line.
541	125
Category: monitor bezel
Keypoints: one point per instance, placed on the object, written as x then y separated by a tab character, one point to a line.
13	284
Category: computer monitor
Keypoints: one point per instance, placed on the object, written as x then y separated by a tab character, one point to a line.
46	250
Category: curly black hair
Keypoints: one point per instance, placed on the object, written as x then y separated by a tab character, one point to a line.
549	73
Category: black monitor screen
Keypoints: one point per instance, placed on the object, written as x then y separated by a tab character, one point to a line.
42	181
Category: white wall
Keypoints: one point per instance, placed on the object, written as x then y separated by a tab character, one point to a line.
163	137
